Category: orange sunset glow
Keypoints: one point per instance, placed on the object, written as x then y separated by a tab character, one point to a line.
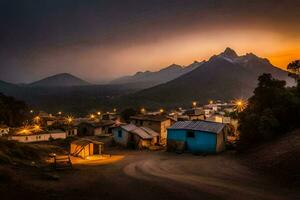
108	42
150	99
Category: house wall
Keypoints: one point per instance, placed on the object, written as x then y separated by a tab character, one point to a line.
141	143
85	152
202	142
120	140
4	131
72	132
221	141
85	129
196	117
39	137
158	126
98	131
163	131
88	150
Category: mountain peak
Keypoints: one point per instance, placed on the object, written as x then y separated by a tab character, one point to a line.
62	79
172	67
229	53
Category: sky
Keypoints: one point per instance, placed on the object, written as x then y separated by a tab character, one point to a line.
99	40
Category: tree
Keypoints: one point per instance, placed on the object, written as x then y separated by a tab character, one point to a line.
127	113
272	110
294	69
12	111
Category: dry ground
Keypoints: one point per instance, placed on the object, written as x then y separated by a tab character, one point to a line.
150	175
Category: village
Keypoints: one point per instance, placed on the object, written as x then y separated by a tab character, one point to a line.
203	129
192	147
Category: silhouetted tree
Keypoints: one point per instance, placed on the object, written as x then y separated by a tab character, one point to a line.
12	111
294	69
127	113
271	111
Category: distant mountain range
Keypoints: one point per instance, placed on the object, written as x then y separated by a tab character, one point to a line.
164	75
224	76
59	80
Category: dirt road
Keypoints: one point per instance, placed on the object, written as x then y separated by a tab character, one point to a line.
159	175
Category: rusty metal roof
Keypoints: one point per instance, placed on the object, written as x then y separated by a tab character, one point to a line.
206	126
85	141
143	132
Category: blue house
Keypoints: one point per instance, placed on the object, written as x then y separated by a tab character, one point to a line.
197	136
140	137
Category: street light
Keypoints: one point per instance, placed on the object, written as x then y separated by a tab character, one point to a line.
36	128
194	103
98	113
37	119
143	110
69	119
240	105
161	110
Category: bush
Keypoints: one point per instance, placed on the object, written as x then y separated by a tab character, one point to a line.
272	111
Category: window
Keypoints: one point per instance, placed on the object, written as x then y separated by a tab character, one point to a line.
119	133
190	134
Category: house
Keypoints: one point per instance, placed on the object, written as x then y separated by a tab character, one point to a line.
133	136
158	123
110	116
70	130
219	118
85	148
197	136
4	130
38	136
193	114
90	128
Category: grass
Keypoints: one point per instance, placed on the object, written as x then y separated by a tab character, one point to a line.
12	152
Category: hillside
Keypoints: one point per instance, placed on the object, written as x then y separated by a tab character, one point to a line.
224	76
59	80
73	100
279	158
164	75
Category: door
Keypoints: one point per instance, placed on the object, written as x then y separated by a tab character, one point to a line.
96	149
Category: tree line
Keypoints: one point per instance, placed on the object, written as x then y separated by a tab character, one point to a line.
273	110
12	112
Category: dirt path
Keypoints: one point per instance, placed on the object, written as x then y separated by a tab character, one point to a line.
221	176
155	175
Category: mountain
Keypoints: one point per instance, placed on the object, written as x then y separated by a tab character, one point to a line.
6	87
59	80
164	75
225	76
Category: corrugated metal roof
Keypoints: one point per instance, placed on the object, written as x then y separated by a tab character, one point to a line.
143	132
129	127
150	131
206	126
85	141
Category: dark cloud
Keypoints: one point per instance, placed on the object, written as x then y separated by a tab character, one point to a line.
31	30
